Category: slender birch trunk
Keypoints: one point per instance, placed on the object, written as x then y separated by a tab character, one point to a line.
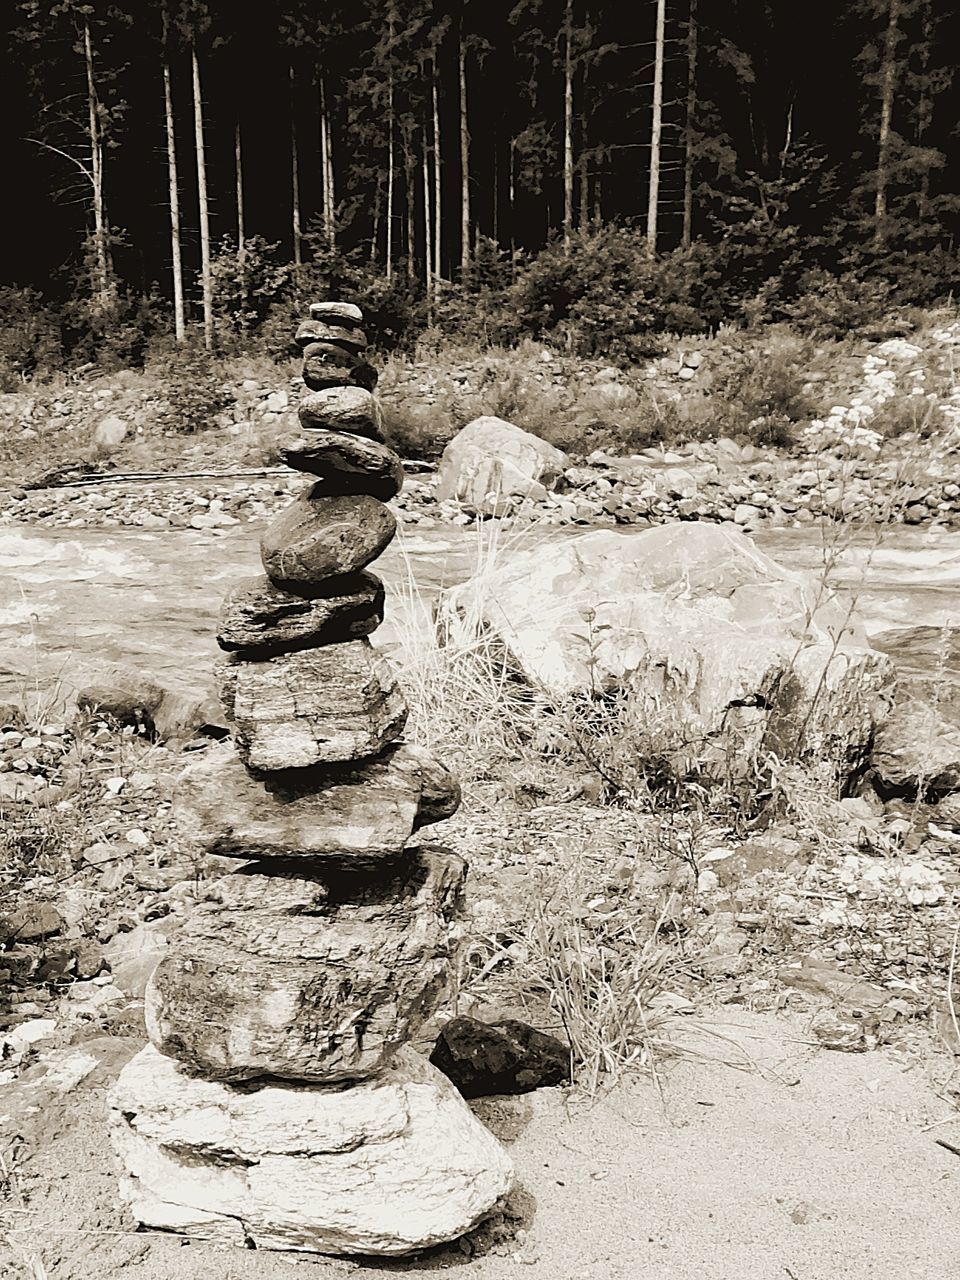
206	276
690	126
295	176
241	229
464	160
377	217
326	161
437	183
238	169
655	130
427	225
889	82
512	196
409	174
391	18
584	150
567	124
176	260
331	181
102	270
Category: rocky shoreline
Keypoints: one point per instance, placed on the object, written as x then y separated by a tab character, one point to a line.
715	481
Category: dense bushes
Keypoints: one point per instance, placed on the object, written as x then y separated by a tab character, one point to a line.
605	296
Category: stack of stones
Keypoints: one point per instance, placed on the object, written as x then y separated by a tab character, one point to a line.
279	1103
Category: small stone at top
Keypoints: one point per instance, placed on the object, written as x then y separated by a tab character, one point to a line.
338	312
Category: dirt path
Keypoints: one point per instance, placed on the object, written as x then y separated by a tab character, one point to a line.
802	1166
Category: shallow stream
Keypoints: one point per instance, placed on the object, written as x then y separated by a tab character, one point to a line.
150	599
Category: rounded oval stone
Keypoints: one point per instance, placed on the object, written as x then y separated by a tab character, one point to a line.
347	463
350	409
322	536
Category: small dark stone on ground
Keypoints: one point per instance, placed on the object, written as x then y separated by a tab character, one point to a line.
483	1058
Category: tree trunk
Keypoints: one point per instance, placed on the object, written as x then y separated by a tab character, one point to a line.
295	176
512	194
330	179
238	173
206	276
179	323
655	130
329	185
889	81
567	124
377	216
391	19
241	231
584	149
102	270
464	160
437	183
427	225
409	173
690	126
326	165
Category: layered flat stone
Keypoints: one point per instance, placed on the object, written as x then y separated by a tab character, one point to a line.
322	536
327	365
365	811
258	617
344	313
390	1166
351	339
347	463
306	971
317	706
350	409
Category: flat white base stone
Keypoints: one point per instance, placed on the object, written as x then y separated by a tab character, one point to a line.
386	1166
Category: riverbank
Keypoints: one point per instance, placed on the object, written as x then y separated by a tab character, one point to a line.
761	428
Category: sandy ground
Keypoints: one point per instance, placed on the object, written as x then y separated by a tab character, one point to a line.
797	1164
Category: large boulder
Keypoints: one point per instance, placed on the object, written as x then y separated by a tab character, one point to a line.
395	1164
721	655
364	810
917	752
491	465
308	971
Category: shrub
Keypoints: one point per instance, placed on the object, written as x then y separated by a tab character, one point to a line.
607	295
759	393
192	388
831	306
29	336
116	335
247	289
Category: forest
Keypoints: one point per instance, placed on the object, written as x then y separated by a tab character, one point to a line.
185	169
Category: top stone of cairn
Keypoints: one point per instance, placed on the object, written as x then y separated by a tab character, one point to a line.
344	313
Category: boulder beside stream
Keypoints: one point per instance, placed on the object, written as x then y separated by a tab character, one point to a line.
719	655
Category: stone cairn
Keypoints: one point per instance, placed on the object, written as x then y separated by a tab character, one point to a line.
279	1103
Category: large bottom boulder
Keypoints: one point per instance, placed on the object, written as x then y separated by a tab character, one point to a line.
308	971
721	656
389	1166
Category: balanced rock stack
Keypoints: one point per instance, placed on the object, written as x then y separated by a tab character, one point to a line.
279	1103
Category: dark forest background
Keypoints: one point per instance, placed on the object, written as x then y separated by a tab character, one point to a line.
556	167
